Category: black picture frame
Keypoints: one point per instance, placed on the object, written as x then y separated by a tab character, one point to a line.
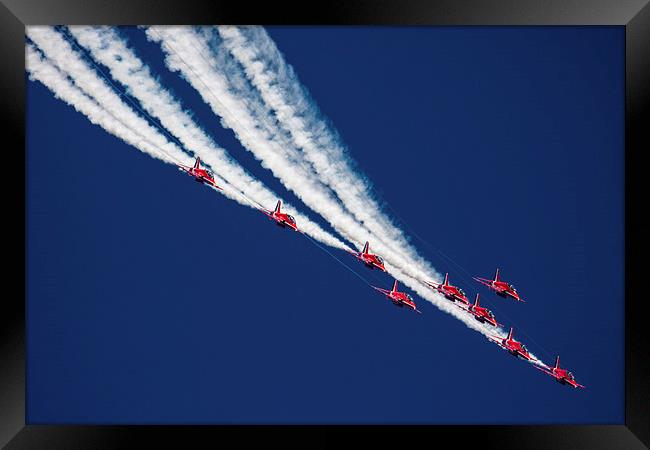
16	14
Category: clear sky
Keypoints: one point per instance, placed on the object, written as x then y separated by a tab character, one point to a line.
152	299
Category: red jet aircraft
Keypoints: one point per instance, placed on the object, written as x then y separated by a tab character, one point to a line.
200	175
562	376
501	288
450	292
482	314
281	219
369	259
399	298
515	348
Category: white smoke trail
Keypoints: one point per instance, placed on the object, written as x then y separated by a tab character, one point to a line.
183	54
40	69
188	54
58	50
269	151
298	115
265	103
107	47
60	63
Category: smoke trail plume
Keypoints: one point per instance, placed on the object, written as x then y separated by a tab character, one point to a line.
108	48
42	70
59	51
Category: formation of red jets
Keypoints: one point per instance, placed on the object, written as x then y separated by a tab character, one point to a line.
402	299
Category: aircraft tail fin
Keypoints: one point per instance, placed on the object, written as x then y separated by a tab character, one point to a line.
476	301
278	206
557	362
366	247
446	282
510	334
496	275
197	163
395	286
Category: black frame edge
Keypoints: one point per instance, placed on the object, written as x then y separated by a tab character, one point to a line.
12	317
637	118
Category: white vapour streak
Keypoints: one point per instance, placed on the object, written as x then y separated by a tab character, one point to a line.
317	141
310	146
40	69
187	53
107	47
333	173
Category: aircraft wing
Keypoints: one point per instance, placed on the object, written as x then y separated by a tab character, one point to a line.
488	283
383	291
544	370
214	185
519	299
496	339
464	308
432	284
290	225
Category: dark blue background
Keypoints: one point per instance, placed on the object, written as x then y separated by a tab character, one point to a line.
153	300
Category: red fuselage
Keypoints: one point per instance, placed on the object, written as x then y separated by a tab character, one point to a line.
371	261
516	348
400	299
505	289
281	219
284	220
199	174
453	293
501	288
513	347
563	376
560	375
450	292
483	315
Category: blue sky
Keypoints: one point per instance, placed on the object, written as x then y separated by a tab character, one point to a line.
151	299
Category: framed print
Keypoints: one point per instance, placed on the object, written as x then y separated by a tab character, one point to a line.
390	219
